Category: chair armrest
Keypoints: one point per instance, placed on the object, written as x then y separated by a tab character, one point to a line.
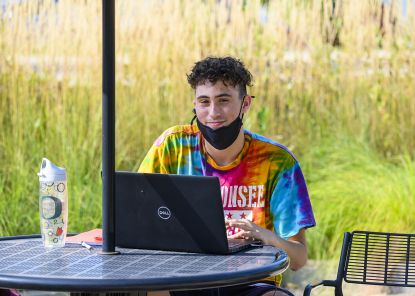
309	287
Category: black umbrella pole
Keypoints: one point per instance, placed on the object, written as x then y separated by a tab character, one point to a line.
108	127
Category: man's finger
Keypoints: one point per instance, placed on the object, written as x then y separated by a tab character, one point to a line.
236	223
236	235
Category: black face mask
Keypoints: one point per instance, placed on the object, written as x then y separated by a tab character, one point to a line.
224	136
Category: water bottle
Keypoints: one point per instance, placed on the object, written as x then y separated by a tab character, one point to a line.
53	204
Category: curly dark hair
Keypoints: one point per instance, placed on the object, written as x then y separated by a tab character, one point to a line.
229	70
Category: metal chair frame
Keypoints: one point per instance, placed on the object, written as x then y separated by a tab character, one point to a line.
374	258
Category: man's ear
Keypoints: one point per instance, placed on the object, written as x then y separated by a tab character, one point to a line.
247	103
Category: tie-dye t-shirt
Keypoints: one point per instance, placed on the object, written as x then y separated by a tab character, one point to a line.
263	184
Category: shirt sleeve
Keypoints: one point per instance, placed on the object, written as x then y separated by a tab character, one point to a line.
290	204
154	161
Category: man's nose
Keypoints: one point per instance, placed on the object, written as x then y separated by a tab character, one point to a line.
214	110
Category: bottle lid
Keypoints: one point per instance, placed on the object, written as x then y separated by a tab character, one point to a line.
50	172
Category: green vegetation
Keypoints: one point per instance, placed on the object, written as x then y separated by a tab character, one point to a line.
354	188
336	87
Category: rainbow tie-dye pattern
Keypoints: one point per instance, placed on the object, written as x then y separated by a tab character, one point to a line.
264	184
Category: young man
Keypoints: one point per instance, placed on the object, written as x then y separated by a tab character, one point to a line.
263	189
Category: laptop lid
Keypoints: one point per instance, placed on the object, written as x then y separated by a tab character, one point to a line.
169	212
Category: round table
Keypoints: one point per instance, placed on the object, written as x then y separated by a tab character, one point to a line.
26	264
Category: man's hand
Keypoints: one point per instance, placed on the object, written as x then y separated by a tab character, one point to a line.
250	231
295	246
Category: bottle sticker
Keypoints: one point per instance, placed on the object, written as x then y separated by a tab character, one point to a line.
51	207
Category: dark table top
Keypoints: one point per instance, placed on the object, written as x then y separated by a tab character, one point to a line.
26	264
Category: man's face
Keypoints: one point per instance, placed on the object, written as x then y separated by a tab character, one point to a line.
218	104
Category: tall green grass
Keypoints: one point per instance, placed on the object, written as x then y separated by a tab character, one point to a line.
346	111
354	188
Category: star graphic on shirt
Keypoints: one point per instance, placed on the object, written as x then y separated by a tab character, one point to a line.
243	216
229	215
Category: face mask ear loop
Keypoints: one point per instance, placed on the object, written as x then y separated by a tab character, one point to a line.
240	111
193	119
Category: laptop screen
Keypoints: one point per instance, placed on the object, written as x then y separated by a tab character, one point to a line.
169	212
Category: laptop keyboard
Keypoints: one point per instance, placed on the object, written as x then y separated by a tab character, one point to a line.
236	245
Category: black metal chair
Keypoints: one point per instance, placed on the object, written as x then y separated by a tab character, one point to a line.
374	258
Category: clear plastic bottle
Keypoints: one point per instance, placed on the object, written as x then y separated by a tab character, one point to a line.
53	204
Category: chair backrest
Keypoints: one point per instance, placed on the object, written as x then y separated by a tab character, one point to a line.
378	258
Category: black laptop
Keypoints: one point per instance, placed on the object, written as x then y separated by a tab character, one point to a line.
172	213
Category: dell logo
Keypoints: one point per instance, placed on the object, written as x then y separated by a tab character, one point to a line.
164	213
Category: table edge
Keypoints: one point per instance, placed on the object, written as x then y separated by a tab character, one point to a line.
280	264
